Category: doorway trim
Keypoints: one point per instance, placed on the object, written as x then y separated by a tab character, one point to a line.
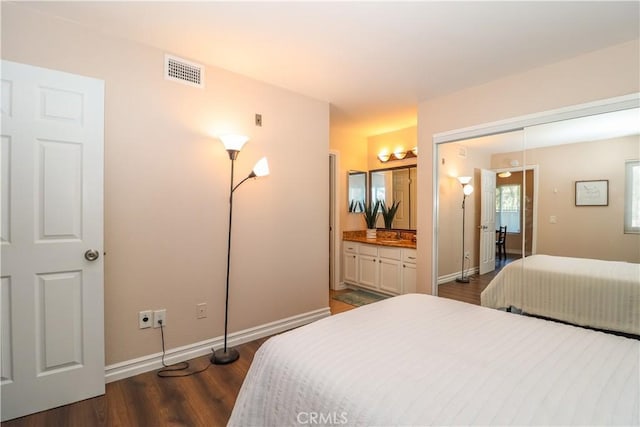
334	220
508	125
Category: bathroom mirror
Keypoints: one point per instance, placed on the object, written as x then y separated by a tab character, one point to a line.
356	191
397	185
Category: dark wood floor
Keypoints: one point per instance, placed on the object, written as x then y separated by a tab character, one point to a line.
470	292
205	399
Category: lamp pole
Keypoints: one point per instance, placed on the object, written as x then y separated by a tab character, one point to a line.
225	356
463	279
233	144
467	189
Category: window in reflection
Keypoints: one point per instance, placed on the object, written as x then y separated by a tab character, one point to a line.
508	211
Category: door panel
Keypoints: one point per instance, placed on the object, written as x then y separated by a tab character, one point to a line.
6	372
401	194
5	176
52	212
487	221
59	208
59	328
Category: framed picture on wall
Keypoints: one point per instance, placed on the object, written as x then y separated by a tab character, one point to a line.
592	193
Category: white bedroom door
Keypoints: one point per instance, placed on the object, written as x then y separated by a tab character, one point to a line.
487	221
52	239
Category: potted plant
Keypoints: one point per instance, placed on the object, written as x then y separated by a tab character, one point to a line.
370	213
388	213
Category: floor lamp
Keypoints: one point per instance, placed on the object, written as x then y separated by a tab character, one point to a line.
467	189
233	144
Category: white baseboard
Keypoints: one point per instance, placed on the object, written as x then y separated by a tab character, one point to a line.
132	367
450	277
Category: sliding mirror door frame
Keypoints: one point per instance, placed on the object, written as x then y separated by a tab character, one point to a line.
509	125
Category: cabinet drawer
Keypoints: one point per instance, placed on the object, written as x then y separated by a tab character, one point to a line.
350	247
368	250
391	253
409	255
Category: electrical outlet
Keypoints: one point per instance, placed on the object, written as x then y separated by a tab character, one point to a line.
144	319
159	315
201	310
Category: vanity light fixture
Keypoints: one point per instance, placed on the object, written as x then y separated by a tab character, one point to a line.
384	157
400	154
233	144
505	174
467	189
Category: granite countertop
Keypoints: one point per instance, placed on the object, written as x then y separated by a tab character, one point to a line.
384	238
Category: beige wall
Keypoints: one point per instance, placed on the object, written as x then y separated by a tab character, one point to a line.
580	231
597	75
166	189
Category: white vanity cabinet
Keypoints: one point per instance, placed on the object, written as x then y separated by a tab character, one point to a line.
409	271
350	262
379	268
389	268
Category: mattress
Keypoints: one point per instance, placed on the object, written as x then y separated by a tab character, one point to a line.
586	292
422	360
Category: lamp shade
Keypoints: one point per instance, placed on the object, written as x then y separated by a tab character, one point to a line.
464	180
233	142
467	189
400	154
261	168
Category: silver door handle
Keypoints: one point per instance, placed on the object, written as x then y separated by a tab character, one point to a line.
91	255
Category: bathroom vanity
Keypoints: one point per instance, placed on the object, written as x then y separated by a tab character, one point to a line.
386	264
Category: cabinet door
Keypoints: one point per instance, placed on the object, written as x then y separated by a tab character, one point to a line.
389	278
368	271
350	265
408	278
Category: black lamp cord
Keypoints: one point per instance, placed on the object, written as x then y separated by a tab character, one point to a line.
176	369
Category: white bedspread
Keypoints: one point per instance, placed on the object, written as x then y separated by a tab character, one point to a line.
422	360
587	292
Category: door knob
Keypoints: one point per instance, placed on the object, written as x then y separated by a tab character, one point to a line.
91	255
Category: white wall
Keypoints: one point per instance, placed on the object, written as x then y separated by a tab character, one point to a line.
167	183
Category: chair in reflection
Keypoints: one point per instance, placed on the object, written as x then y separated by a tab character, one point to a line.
501	238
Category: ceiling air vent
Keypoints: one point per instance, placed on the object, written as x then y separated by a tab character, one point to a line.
183	71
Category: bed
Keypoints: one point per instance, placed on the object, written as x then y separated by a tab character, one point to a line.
421	360
587	292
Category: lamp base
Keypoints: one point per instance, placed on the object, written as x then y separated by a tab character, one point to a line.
462	279
221	357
